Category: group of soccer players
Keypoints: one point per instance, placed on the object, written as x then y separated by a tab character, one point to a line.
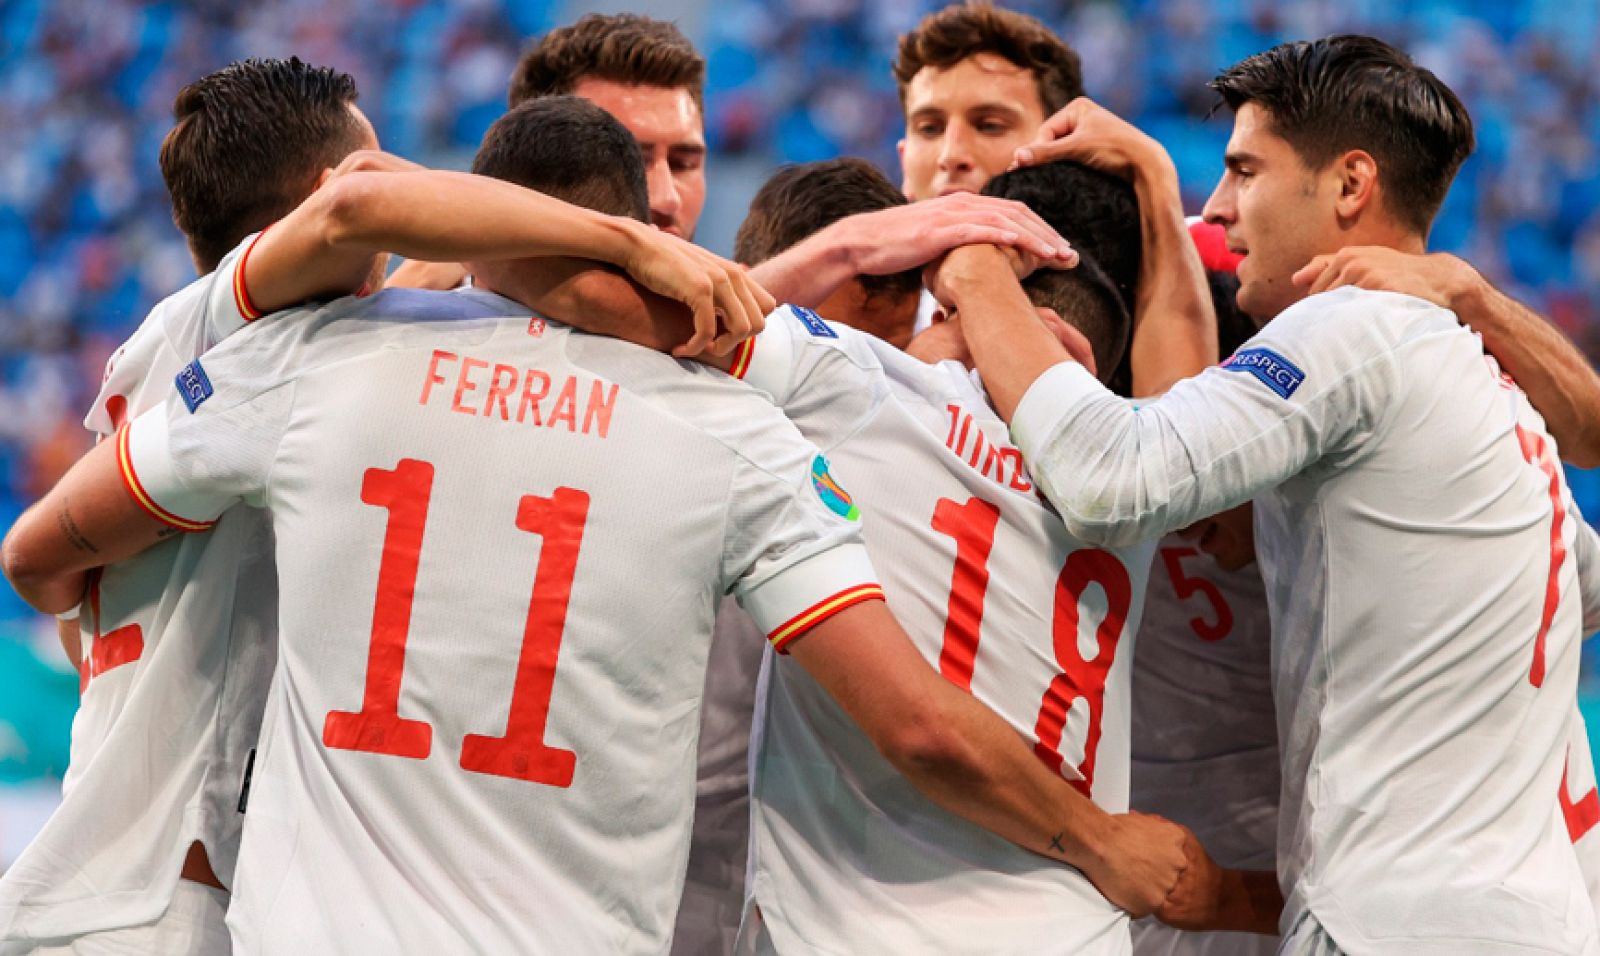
1026	568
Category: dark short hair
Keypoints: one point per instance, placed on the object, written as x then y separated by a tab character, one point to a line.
571	149
1086	300
1097	212
625	48
948	36
248	144
1328	96
803	199
1234	327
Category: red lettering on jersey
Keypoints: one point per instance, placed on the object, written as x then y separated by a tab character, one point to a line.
1019	474
567	406
1581	814
464	384
531	398
434	378
961	439
955	419
499	392
601	405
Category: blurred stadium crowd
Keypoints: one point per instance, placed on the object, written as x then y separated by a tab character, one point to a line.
86	87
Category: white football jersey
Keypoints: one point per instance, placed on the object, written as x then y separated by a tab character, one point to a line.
1414	532
500	547
176	661
847	857
1205	738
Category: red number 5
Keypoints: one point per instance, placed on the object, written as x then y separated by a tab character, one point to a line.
377	727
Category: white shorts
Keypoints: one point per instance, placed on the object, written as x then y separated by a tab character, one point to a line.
1153	938
193	925
1308	938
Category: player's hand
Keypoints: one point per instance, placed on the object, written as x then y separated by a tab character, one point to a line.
374	161
1088	133
1195	903
710	286
1140	861
911	236
943	274
942	341
1438	277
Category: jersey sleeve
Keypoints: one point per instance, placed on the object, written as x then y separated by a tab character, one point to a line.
793	548
823	376
211	445
229	308
1315	383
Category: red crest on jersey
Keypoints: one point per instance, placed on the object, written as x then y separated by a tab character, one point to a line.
536	326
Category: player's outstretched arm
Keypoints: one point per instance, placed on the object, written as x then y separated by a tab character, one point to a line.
1174	325
905	237
969	761
1559	380
87	520
327	245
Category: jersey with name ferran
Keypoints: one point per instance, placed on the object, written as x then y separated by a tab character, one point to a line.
847	856
500	547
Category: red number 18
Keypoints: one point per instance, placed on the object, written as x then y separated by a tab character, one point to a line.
973	525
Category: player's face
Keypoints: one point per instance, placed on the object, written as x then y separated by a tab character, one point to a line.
889	317
671	136
964	124
1277	212
1229	537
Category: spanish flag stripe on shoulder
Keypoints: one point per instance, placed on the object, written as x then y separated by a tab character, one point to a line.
241	295
821	611
741	358
130	480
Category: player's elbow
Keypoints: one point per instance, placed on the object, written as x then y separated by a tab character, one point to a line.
344	210
928	746
25	567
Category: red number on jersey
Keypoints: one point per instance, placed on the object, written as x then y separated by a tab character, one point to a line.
522	752
378	727
1079	677
1581	814
1536	451
1185	586
973	526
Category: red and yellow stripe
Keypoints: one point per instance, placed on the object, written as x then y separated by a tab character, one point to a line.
130	480
821	611
741	358
241	295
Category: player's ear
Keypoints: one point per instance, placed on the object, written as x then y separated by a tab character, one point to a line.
1358	182
1074	341
900	153
327	174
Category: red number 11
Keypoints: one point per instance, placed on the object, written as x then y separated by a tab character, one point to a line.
521	752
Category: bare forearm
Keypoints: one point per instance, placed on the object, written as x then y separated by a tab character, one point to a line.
1009	344
986	774
446	216
810	271
1174	326
1559	380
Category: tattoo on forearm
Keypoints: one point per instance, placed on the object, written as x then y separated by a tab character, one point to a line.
1055	842
72	531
